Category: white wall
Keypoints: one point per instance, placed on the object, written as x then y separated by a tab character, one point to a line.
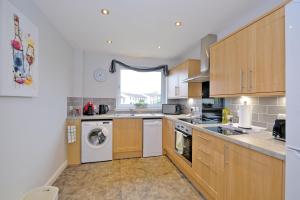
109	88
32	143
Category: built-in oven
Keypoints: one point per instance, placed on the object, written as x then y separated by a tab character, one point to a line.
183	142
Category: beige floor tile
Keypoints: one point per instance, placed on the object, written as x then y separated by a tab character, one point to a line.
129	179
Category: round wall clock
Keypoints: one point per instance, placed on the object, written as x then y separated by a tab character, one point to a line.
99	75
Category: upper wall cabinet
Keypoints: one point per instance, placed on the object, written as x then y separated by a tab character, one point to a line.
250	61
177	89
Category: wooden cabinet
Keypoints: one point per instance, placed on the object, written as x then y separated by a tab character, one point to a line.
251	175
252	60
74	149
227	171
270	53
208	164
127	138
168	136
177	88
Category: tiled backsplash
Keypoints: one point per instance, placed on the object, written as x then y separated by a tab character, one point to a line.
265	109
187	104
79	102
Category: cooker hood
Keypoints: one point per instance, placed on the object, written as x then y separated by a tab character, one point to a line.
206	42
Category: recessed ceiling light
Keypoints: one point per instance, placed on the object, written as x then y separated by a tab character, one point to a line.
178	23
108	41
104	12
158	47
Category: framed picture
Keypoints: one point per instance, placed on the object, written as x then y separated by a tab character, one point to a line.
19	42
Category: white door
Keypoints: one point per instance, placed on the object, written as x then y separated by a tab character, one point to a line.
152	137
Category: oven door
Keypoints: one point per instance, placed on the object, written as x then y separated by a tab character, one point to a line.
183	145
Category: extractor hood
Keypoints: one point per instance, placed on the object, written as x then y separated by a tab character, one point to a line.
206	42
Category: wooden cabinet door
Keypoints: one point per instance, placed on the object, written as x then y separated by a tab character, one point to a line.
270	53
246	60
208	164
217	70
250	175
127	138
169	135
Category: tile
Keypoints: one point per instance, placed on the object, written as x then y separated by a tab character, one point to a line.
259	124
260	109
144	178
281	101
255	117
276	110
267	100
266	118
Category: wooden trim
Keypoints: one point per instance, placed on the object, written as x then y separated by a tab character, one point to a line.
251	95
254	21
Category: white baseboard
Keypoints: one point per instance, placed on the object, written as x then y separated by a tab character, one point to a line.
56	174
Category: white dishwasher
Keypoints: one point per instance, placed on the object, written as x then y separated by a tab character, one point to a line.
152	137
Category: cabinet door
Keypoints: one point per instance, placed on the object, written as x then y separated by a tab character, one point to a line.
127	138
246	60
170	136
172	84
208	164
183	74
217	70
250	175
270	53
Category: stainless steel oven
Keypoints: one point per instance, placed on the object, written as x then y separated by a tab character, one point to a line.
183	141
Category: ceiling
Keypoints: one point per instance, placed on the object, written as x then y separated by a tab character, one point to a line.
138	27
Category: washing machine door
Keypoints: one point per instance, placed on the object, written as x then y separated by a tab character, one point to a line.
97	137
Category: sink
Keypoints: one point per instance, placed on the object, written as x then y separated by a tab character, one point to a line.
137	115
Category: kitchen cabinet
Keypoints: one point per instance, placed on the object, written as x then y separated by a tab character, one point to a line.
127	138
251	61
178	89
208	164
168	136
251	175
74	149
270	53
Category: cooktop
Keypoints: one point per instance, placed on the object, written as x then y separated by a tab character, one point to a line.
226	131
199	121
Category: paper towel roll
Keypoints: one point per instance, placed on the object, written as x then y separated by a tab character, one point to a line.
245	116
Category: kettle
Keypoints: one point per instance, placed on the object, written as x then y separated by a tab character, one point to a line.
103	109
89	109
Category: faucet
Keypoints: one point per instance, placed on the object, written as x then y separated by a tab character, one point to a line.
131	112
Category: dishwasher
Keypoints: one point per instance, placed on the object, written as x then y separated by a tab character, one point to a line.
152	137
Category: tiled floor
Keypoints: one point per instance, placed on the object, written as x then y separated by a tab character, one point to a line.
130	179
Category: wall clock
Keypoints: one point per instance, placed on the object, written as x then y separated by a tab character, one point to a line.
100	75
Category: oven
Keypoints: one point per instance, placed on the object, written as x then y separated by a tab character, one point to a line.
183	142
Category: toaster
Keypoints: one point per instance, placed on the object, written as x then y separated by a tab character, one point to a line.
279	129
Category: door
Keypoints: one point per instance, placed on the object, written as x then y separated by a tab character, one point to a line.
270	53
152	137
127	138
169	136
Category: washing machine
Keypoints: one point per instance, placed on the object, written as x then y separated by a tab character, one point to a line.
96	141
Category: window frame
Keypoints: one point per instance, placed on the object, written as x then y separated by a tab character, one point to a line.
125	107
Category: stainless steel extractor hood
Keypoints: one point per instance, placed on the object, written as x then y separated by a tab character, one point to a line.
206	42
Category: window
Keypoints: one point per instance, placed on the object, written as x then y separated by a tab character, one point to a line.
140	89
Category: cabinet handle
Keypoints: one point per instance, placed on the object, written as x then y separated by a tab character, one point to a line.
250	79
242	80
226	155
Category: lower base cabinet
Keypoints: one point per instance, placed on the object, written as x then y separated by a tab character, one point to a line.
127	138
225	171
251	175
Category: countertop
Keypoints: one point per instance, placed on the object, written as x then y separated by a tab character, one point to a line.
261	141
